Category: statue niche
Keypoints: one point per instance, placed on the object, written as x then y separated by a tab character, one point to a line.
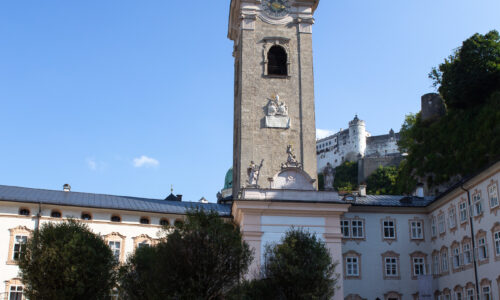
277	113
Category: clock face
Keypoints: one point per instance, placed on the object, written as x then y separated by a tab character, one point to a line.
276	8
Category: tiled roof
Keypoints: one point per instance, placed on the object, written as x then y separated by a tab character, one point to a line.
395	201
22	194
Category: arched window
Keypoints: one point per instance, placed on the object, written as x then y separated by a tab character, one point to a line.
56	214
144	220
277	61
24	212
116	218
164	222
178	222
86	216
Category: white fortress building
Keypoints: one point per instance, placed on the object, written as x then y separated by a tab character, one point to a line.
387	247
355	143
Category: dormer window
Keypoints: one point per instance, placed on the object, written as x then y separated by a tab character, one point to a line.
24	212
144	220
164	222
116	218
277	61
86	216
56	214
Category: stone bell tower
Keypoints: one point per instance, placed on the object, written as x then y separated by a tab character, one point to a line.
274	123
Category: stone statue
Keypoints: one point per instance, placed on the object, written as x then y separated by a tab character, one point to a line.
253	173
328	177
291	161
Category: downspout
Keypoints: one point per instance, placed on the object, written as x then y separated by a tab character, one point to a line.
473	239
37	216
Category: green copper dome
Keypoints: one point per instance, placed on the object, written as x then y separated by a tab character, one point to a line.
228	181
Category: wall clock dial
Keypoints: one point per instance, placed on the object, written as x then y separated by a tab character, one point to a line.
276	8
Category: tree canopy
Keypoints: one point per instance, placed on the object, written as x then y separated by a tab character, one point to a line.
298	267
67	261
201	258
383	181
346	176
467	137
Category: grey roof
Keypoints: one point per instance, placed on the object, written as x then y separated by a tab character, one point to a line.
22	194
395	201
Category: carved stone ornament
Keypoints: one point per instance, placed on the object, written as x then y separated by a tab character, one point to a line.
277	113
291	161
253	174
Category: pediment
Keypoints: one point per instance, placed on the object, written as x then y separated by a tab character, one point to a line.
293	179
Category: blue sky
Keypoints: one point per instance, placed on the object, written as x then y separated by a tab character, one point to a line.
128	97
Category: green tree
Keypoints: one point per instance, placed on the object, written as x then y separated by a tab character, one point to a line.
471	74
298	267
382	181
202	258
467	137
346	176
67	261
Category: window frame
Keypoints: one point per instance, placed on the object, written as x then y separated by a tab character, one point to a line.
452	217
493	189
416	226
387	226
355	261
116	237
462	207
441	223
477	204
21	231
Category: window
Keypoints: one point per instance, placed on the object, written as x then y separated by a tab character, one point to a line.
389	229
24	212
482	249
344	224
115	247
143	244
452	217
277	61
16	292
441	224
446	296
467	254
497	243
164	222
86	216
458	295
352	266
463	212
115	218
357	228
144	220
493	195
433	227
470	294
416	230
19	240
478	206
456	257
444	260
391	266
435	264
418	266
485	293
56	214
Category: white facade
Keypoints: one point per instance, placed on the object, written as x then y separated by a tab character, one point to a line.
438	242
126	235
354	143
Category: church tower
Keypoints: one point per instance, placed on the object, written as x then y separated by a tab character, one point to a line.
274	118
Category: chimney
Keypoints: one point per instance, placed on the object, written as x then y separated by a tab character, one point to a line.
66	187
203	200
362	190
179	197
419	192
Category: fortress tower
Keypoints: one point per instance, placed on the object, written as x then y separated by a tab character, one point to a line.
357	133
